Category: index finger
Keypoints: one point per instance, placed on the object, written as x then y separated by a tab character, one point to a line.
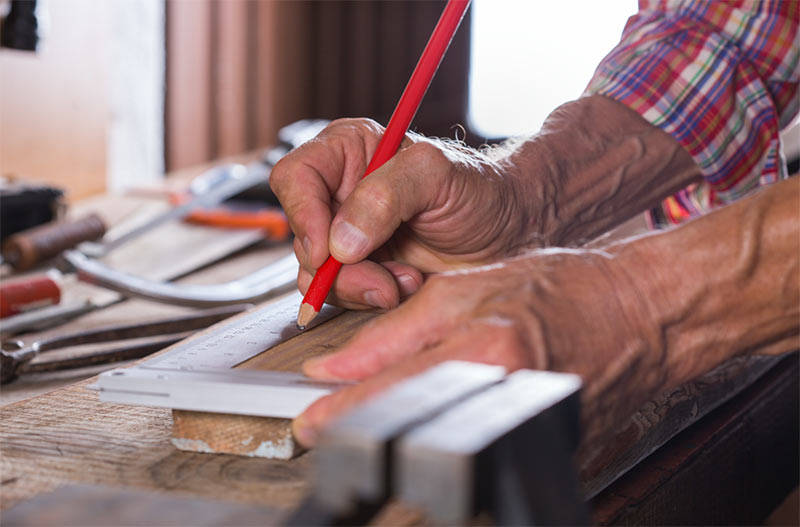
311	179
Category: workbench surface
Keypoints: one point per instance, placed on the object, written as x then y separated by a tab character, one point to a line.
67	436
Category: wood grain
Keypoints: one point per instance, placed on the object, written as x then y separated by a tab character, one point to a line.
664	417
731	468
86	505
69	436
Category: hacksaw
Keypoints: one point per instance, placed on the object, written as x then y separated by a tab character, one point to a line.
198	373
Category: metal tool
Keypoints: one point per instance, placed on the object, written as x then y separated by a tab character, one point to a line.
215	186
16	357
503	446
270	281
237	178
209	189
175	378
45	317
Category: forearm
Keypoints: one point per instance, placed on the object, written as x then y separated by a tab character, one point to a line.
725	284
595	164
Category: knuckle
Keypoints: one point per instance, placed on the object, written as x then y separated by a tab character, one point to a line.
382	201
427	154
280	177
508	348
357	125
277	177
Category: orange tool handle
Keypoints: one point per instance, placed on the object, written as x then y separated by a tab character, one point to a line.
274	222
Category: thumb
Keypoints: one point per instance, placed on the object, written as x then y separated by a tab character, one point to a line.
406	185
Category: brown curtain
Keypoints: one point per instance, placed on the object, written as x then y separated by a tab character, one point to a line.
238	70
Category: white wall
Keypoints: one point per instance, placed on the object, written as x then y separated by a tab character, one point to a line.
85	112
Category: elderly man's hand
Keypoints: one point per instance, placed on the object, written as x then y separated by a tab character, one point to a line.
560	310
437	205
434	206
632	319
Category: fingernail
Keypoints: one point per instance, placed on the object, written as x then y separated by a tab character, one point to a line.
314	367
347	239
307	248
407	284
374	298
304	433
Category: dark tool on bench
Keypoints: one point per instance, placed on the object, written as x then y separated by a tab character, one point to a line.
24	205
30	247
15	357
458	440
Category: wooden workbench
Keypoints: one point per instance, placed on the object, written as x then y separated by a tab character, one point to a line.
68	437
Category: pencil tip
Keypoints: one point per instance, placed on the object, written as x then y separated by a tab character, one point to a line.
306	315
300	328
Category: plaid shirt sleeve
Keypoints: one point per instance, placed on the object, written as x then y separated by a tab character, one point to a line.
722	78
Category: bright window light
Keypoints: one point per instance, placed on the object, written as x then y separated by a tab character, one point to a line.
529	56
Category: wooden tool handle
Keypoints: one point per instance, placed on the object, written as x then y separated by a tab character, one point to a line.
26	249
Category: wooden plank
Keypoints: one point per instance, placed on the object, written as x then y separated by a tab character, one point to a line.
101	506
69	436
661	419
258	436
731	468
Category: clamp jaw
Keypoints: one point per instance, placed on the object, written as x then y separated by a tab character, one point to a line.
455	441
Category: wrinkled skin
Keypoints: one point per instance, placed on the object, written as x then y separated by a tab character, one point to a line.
437	205
519	314
434	206
632	319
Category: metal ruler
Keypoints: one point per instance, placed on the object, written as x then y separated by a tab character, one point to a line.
197	374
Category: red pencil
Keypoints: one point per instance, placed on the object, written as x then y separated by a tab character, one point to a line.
395	132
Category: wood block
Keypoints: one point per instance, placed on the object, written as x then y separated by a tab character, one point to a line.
262	436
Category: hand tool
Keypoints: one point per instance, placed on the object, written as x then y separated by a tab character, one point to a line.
25	249
392	137
276	278
236	178
29	292
503	447
185	377
25	205
265	283
234	213
16	357
215	186
44	317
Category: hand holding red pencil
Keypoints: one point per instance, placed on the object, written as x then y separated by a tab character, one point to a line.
424	211
392	137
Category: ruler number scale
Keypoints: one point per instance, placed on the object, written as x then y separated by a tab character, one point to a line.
235	342
198	375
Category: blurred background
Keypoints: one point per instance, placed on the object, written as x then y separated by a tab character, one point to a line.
101	95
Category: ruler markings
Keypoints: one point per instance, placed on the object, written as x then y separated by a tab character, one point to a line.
235	342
